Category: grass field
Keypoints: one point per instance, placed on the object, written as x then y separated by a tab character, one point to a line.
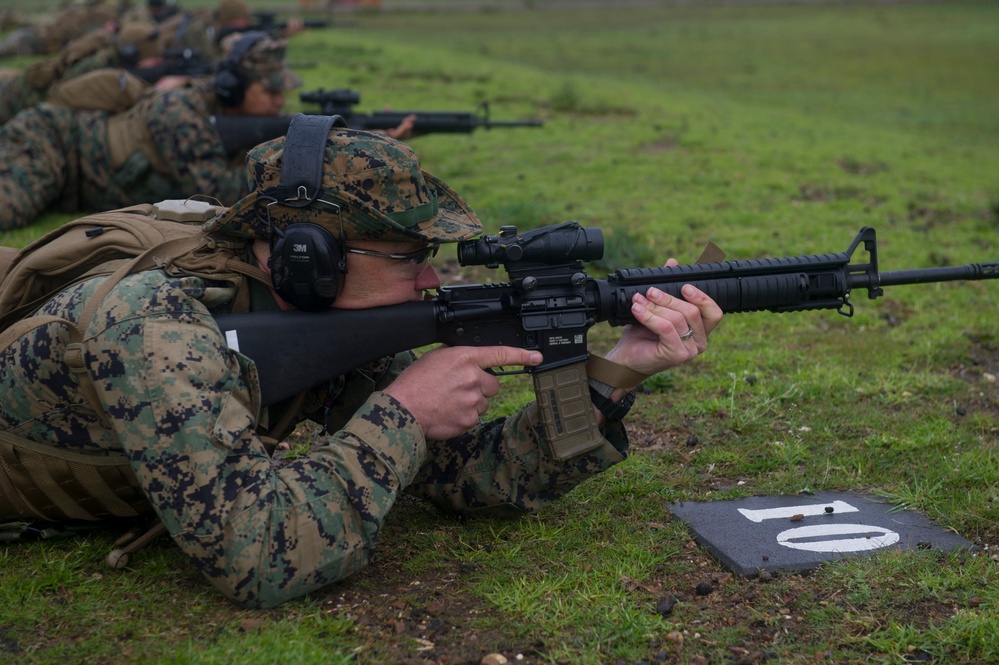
771	130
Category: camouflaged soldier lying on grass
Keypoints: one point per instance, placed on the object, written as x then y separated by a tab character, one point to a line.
135	46
163	146
184	407
48	34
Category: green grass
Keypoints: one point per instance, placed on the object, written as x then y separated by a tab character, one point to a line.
772	131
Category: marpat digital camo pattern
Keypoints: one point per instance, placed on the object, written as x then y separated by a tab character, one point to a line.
264	61
184	408
56	158
372	189
50	33
95	50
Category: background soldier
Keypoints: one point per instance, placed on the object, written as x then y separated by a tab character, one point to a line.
136	46
165	146
49	34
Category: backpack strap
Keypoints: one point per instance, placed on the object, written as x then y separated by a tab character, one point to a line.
248	269
74	357
7	256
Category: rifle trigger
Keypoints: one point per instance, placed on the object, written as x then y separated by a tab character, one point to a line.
504	372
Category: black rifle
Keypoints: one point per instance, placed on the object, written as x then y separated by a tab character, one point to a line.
548	305
266	21
177	62
241	133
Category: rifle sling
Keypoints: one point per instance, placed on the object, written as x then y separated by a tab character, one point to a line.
613	374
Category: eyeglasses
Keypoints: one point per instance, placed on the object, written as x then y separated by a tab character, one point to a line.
419	257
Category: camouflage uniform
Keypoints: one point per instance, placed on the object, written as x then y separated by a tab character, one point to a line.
163	147
191	31
52	33
97	49
185	407
200	31
156	11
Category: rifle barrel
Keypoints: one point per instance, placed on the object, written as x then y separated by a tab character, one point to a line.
513	123
943	274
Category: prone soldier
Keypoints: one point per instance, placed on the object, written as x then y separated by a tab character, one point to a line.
49	34
163	146
135	46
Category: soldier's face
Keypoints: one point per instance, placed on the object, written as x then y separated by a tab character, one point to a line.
374	281
261	100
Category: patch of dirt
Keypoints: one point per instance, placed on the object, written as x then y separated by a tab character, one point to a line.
981	372
429	619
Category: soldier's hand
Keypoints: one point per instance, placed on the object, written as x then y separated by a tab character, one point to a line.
404	130
669	331
447	390
295	26
172	82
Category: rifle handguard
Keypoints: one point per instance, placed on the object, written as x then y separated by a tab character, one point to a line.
566	411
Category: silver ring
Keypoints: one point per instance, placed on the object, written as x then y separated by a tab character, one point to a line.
687	335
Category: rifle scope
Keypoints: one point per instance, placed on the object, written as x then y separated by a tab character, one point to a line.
337	97
550	245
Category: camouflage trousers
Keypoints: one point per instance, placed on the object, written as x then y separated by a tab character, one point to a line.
37	164
54	158
16	95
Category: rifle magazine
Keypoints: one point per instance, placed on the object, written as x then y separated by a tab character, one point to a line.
566	411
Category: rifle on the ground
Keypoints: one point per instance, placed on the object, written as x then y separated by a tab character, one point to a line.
549	304
241	133
266	21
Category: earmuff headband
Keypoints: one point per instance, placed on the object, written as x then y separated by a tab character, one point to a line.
302	162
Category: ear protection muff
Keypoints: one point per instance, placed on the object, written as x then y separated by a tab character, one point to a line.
307	263
128	55
231	80
306	266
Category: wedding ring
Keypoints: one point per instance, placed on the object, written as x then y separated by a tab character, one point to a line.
687	335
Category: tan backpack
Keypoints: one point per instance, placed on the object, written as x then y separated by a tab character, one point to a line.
110	90
47	483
